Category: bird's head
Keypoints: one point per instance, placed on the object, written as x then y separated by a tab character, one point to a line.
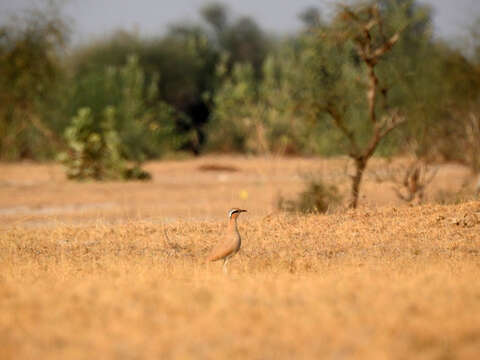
233	213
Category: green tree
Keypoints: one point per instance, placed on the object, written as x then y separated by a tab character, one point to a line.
185	61
260	115
311	17
94	147
30	48
242	39
342	62
120	121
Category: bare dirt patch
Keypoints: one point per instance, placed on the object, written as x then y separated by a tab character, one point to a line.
32	193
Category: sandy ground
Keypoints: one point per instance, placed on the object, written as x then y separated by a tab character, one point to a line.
33	194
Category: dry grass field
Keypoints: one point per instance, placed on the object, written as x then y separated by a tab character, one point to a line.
86	270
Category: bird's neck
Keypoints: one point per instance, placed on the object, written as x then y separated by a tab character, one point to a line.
232	224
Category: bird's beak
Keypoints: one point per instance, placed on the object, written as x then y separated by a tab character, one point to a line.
243	210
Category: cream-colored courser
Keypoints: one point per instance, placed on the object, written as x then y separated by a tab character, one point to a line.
227	248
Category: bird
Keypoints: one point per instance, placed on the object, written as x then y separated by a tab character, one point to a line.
227	248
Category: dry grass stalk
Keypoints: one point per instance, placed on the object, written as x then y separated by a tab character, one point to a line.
409	180
371	283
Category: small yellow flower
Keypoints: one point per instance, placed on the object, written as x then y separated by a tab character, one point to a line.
244	194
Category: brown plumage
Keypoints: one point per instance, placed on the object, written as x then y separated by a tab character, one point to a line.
227	248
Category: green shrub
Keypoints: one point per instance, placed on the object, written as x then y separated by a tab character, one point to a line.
259	115
318	197
93	147
124	124
30	75
145	125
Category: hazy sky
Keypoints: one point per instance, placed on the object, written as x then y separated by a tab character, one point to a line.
95	18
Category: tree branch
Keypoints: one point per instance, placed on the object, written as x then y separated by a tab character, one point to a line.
339	123
381	130
390	123
386	46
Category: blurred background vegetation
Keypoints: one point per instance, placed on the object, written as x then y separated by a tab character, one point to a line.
226	85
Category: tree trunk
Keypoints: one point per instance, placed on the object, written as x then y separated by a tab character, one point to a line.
360	165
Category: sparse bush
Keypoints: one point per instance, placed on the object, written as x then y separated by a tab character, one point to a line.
145	125
318	197
125	124
94	147
409	180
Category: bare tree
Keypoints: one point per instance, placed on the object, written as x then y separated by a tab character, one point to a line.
409	180
370	50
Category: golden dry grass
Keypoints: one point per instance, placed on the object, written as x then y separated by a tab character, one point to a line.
376	283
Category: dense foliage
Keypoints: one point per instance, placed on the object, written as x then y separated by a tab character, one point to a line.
124	123
226	85
30	76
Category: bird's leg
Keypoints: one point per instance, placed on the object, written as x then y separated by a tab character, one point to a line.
225	262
